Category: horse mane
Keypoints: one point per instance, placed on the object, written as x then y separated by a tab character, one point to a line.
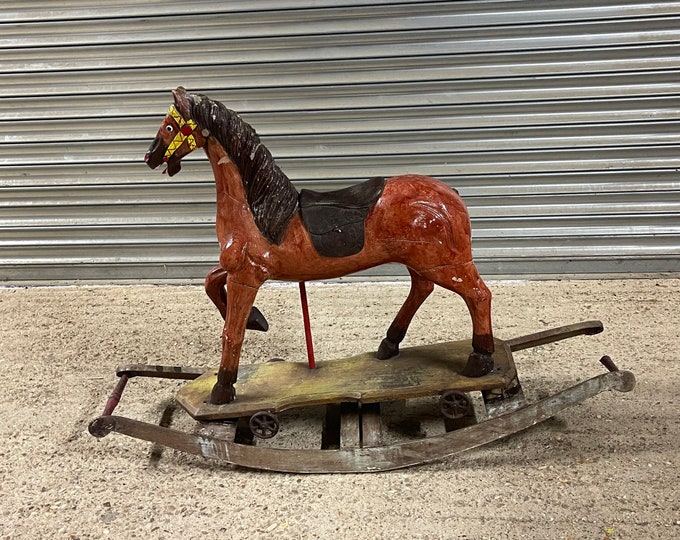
272	198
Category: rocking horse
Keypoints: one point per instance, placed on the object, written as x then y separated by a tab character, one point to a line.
268	230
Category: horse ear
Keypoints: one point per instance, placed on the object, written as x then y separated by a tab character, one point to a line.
182	101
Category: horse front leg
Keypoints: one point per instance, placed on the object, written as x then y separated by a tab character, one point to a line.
241	299
215	283
420	290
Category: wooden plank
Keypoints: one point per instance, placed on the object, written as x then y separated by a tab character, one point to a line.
587	328
277	386
330	436
350	425
161	372
224	431
371	425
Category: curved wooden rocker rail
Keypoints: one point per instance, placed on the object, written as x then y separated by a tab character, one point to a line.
376	458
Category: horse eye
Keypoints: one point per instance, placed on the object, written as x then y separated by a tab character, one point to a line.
168	128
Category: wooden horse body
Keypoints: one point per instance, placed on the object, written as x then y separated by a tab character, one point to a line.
416	221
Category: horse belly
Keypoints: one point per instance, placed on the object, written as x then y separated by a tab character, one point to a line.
296	259
312	266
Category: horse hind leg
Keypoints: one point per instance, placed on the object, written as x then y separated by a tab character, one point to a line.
215	289
420	290
465	281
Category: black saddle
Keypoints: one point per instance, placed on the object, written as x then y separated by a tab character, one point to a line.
335	219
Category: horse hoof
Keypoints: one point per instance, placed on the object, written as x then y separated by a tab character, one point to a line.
256	321
222	394
478	365
387	350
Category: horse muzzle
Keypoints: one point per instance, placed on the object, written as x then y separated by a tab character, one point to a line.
156	155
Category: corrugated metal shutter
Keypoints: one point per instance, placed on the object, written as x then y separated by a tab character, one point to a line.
557	122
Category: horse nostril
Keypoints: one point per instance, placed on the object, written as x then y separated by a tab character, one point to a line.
154	155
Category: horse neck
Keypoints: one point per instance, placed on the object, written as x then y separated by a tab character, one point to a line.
265	197
227	177
232	205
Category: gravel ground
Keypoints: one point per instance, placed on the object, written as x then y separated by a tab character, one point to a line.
607	468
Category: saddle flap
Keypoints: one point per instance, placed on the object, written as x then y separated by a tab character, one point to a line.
335	219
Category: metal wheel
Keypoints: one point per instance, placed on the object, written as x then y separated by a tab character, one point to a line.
264	425
455	404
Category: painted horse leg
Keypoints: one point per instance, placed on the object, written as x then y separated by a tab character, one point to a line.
465	281
241	301
214	288
420	290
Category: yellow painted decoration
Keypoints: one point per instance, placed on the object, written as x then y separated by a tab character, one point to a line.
180	137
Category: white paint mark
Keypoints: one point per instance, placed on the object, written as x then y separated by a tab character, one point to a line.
223	160
207	447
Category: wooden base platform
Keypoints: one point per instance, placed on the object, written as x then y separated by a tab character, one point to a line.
352	444
416	372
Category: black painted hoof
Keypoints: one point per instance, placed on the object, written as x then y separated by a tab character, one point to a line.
222	394
478	365
387	350
256	321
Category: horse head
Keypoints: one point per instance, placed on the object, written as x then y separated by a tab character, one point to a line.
178	135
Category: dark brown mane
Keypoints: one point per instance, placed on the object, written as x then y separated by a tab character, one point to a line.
272	197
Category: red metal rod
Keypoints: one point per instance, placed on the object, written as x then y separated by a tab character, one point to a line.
114	398
308	327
